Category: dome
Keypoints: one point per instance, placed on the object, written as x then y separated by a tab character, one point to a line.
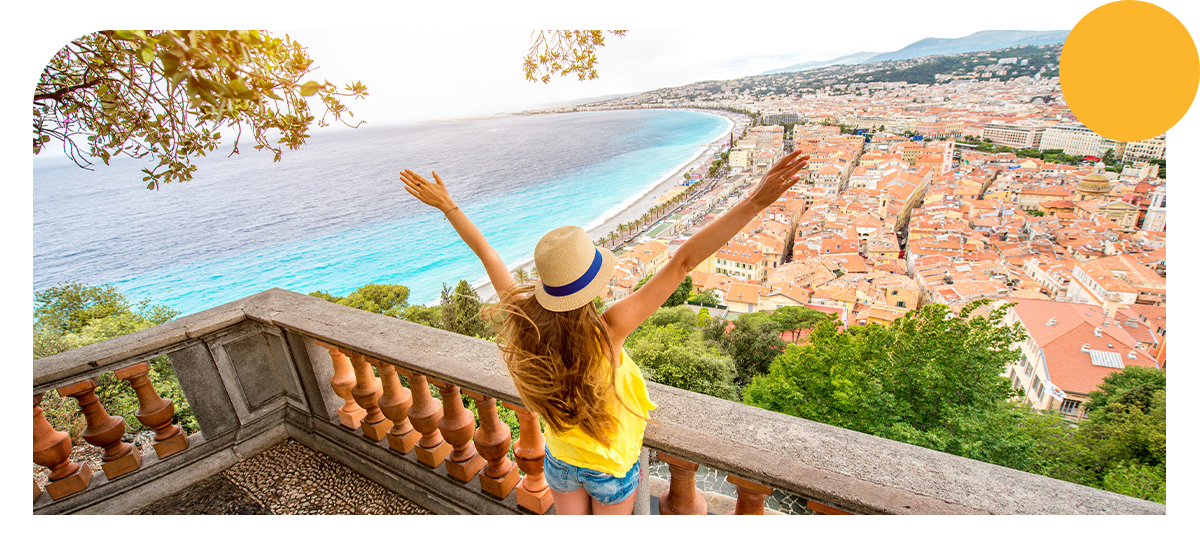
1094	183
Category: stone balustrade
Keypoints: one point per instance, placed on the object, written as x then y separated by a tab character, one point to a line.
279	365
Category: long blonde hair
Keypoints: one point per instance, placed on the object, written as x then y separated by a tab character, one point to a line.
556	361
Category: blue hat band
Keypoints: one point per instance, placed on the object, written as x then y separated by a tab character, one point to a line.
577	285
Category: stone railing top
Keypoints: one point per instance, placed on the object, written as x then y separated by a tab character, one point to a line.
846	469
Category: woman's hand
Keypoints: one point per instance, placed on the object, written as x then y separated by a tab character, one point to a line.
777	180
433	193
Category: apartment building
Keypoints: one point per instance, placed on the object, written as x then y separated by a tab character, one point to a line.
1069	351
1015	135
1077	139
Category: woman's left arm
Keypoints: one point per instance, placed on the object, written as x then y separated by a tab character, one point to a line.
435	195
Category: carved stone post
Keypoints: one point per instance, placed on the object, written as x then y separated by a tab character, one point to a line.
52	449
104	430
532	492
493	439
751	496
425	414
154	411
682	498
394	403
350	414
366	394
458	426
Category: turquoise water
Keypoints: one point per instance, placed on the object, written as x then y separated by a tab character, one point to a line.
333	216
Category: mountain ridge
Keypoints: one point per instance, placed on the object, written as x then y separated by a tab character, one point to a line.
975	42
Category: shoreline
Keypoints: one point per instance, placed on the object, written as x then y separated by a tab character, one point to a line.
641	204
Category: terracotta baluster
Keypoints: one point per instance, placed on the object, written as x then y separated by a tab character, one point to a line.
532	492
425	415
751	496
394	403
154	411
492	439
682	498
52	449
366	394
458	426
350	414
821	509
104	430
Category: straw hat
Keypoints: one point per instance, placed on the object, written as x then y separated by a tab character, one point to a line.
572	270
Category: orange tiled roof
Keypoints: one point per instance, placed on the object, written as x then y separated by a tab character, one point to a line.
1071	368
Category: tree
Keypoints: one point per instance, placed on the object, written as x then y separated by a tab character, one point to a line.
387	299
708	297
678	297
1109	159
165	95
794	318
460	312
430	316
1125	434
754	342
564	52
64	314
932	379
674	354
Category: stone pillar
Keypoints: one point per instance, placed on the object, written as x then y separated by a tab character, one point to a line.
458	427
350	414
104	430
366	393
641	500
492	439
682	498
751	496
154	411
425	414
52	449
532	492
394	403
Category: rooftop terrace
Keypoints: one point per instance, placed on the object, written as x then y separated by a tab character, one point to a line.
279	366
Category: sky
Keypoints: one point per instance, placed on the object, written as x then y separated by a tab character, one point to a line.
429	74
422	61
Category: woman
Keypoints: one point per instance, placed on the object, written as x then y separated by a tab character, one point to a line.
568	363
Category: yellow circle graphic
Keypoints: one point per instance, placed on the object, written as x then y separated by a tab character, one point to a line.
1129	70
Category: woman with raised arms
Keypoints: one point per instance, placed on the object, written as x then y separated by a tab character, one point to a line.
567	362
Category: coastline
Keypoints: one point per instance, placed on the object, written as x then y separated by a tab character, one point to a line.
638	206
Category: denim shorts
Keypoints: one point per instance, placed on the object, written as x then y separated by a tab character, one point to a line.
603	487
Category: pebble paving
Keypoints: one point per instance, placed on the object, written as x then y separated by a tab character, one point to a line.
713	480
288	479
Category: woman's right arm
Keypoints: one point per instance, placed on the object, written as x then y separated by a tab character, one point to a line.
624	316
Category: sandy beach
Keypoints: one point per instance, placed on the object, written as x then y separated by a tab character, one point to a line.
639	207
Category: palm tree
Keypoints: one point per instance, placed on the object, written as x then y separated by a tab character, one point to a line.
520	276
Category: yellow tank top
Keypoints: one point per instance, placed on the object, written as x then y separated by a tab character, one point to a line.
577	448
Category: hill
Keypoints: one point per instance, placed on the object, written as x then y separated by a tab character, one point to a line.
980	41
844	60
977	42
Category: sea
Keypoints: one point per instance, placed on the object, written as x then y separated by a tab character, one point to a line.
333	215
